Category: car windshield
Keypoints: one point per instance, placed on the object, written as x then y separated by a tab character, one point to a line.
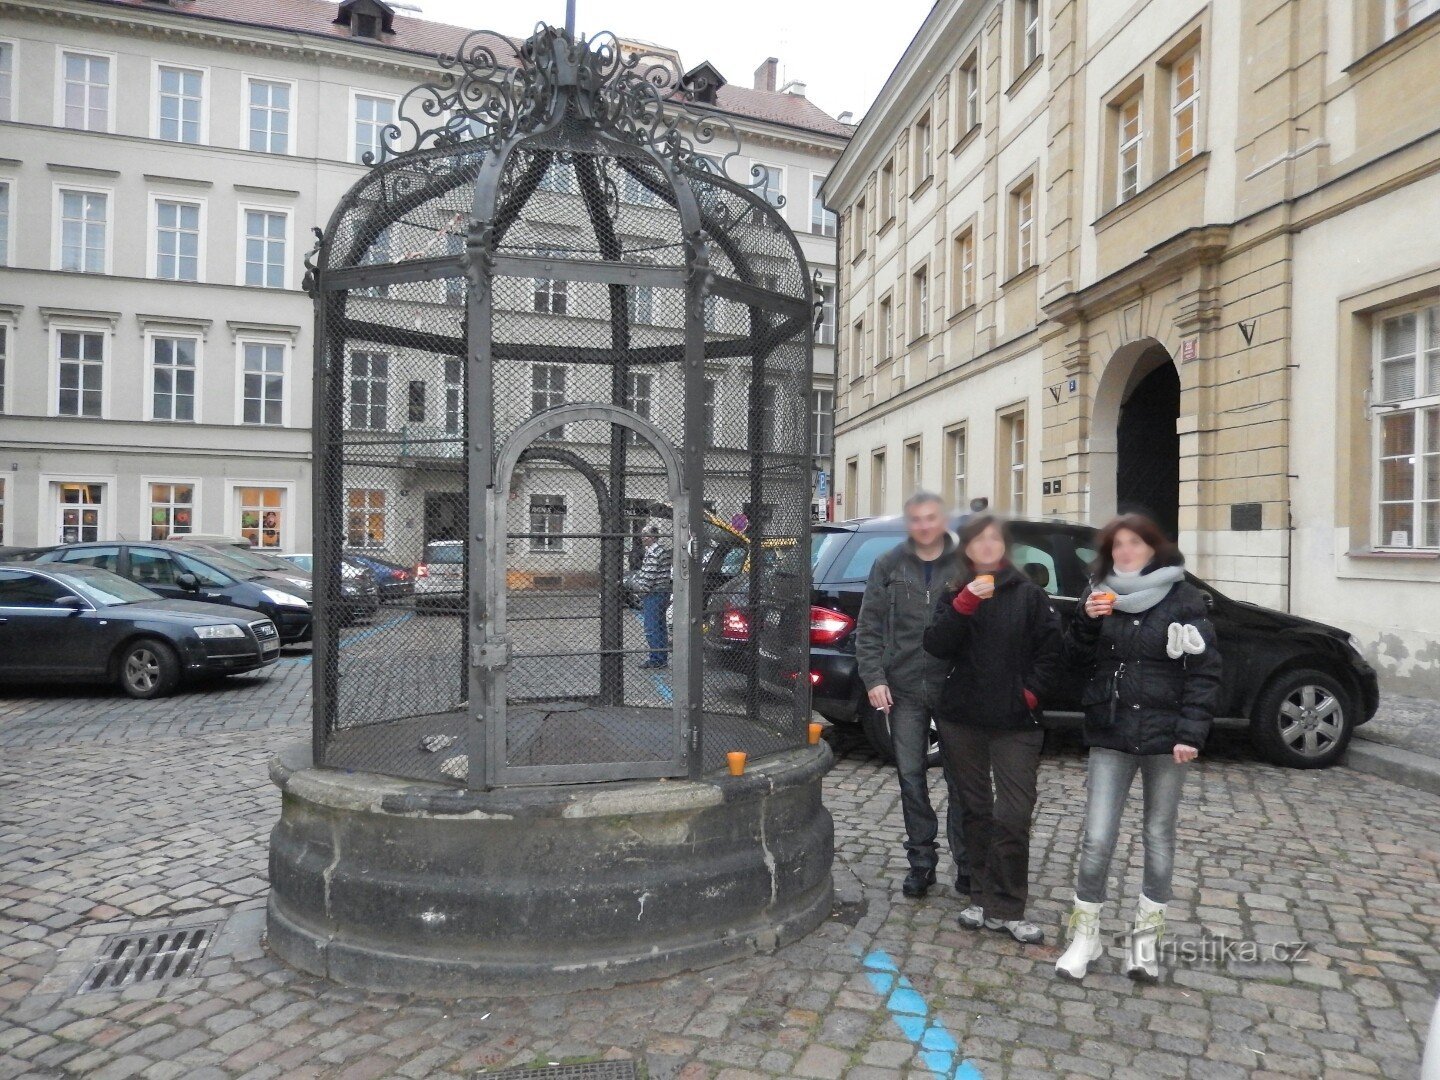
253	560
104	589
233	567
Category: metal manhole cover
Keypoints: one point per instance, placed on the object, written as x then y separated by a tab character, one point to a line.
147	957
590	1070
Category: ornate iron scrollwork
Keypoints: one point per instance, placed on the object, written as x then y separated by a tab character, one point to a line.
311	282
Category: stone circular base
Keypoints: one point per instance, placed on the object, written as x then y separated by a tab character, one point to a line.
415	887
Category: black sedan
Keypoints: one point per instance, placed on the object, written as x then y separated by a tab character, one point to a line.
184	571
83	624
1302	686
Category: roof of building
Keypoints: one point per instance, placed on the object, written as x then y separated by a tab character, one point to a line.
421	36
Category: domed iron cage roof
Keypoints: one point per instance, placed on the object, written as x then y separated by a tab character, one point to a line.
553	333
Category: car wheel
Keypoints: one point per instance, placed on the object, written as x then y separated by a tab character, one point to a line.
148	669
876	727
1303	720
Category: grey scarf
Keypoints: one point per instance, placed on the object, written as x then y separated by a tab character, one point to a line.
1139	591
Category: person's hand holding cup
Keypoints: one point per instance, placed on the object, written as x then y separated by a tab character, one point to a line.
1099	603
983	586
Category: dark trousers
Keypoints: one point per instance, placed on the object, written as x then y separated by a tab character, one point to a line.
910	739
995	771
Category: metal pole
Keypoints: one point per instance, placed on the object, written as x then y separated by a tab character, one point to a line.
570	19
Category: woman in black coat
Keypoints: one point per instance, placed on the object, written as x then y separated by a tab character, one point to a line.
1143	633
1002	639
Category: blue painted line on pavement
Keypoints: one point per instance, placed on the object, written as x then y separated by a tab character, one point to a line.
911	1013
361	635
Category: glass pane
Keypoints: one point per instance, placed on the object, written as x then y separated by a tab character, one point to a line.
1397	434
1397	522
1397	336
1397	478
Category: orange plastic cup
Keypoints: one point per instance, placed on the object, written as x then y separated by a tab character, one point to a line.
736	760
1106	597
988	579
815	730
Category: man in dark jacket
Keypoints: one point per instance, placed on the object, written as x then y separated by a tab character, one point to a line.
903	681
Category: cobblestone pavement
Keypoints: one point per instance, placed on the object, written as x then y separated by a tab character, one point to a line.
116	815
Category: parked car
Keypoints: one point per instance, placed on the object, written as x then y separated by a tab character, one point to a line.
440	576
1302	686
359	592
83	624
394	582
23	554
185	571
269	562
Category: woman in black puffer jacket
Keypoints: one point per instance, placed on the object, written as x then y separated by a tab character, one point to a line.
1143	632
1002	640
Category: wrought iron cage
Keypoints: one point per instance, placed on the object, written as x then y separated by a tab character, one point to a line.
542	325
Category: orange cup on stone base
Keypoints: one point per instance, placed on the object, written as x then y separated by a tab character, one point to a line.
815	730
736	760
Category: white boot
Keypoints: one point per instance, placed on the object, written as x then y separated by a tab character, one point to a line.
1085	945
1142	959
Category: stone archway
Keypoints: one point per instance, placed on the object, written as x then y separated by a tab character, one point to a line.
1134	443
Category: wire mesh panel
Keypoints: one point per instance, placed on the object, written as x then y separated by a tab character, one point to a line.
563	380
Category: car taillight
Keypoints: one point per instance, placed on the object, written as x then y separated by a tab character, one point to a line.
422	571
814	678
404	575
828	626
734	625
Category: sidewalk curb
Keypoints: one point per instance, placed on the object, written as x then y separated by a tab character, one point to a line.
1392	763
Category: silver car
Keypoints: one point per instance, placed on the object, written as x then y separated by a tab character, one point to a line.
440	576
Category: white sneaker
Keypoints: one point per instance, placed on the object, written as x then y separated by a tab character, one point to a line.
1023	931
1085	945
973	917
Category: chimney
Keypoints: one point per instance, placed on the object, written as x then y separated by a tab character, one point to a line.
794	86
846	117
765	74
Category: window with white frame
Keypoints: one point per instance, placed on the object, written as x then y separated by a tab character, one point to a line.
78	507
179	104
172	509
1022	217
639	394
772	183
262	383
1012	453
1184	107
887	189
365	518
2	509
924	149
913	467
265	236
1028	13
1406	394
1129	138
177	240
4	364
415	394
172	378
1403	14
547	522
372	114
264	516
267	112
84	222
963	269
957	465
377	254
547	391
551	296
85	91
640	303
970	93
80	367
857	349
822	221
454	397
886	348
4	223
7	80
822	422
920	302
826	334
369	390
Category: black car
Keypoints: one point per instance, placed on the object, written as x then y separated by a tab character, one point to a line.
188	572
83	624
1302	685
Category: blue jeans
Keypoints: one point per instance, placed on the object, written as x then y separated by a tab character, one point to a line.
1109	777
910	740
652	613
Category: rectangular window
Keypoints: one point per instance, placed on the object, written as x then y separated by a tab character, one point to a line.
822	221
79	508
877	482
83	225
547	522
955	460
365	518
263	383
268	115
970	93
851	490
177	240
1406	13
4	357
180	101
826	334
924	151
82	372
857	349
1129	137
1022	216
454	397
822	422
369	390
640	302
551	296
415	401
920	302
709	412
859	229
1029	13
1407	382
1184	107
372	114
887	189
547	391
172	510
172	385
85	91
964	270
887	329
263	517
2	509
1012	453
7	91
772	187
265	235
913	467
4	224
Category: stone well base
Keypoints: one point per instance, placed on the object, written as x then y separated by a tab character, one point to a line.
414	887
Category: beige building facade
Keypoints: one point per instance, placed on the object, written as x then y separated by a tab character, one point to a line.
1166	256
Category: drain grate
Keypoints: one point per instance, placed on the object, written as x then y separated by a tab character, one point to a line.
590	1070
147	957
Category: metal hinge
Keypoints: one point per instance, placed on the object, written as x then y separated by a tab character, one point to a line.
491	654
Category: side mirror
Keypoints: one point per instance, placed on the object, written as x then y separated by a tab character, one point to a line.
188	582
73	604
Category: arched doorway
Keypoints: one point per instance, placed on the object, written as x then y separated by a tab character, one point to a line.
1134	443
